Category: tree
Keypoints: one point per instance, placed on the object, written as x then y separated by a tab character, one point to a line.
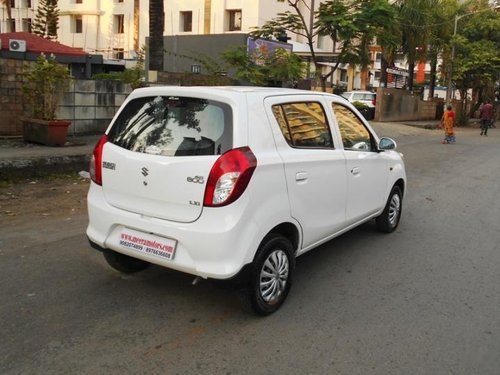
415	17
351	25
9	14
156	29
476	64
46	20
266	69
440	33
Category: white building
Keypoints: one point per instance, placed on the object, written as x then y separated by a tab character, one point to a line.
118	28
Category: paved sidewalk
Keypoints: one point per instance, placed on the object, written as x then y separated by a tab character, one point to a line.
20	159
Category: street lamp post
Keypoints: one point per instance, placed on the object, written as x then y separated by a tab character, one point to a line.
448	88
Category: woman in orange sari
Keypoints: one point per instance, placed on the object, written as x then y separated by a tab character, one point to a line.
448	122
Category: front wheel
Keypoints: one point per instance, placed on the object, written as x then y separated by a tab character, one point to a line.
271	275
124	263
389	219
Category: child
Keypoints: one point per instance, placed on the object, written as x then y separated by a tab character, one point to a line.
448	122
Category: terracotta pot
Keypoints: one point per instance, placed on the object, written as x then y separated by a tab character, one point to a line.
50	133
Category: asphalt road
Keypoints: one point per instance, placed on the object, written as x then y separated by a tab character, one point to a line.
423	300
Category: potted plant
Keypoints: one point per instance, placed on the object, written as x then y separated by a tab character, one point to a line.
44	83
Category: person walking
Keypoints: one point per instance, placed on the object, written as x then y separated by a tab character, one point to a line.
448	123
486	115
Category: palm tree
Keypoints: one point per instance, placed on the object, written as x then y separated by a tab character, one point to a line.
415	18
440	36
156	28
9	14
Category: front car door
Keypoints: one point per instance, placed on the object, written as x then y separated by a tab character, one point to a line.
314	165
367	169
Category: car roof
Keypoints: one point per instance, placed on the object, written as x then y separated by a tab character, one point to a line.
223	91
359	92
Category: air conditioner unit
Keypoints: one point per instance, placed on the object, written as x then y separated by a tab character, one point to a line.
17	45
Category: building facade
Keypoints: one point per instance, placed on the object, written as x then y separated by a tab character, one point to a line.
117	29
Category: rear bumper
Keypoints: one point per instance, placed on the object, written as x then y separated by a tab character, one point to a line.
218	245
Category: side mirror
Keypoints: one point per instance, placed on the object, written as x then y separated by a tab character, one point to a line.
387	144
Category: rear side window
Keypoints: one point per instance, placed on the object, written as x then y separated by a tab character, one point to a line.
174	126
303	124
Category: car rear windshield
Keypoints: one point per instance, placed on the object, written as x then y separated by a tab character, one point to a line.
174	126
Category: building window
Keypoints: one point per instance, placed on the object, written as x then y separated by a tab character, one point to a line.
78	1
321	41
234	19
77	24
186	21
119	23
27	24
343	75
118	53
26	4
12	3
12	26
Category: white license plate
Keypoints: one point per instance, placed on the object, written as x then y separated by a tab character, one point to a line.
146	243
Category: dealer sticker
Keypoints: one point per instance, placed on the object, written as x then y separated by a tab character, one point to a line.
148	243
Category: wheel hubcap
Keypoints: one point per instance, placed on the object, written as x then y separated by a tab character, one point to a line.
394	209
274	276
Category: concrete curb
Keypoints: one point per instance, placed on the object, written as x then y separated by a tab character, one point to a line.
39	167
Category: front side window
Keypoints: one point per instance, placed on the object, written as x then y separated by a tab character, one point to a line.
174	126
303	124
355	136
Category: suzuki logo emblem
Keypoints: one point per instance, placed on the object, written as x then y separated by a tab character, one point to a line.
145	171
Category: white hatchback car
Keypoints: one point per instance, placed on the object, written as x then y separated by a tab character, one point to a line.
236	182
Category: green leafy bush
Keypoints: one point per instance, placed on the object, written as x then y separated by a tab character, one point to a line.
44	83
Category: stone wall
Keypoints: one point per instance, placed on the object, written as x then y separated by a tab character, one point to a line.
401	105
11	96
88	104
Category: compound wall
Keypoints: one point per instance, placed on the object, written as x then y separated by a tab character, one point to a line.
88	104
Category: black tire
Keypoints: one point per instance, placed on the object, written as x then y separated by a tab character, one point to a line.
124	263
271	275
388	221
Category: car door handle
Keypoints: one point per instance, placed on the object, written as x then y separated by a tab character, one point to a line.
301	176
355	171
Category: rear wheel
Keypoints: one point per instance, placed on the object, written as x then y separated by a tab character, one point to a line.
124	263
271	275
389	219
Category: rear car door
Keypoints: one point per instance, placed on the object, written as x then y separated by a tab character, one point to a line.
159	154
313	166
367	169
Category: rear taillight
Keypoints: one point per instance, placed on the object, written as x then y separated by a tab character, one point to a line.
96	161
374	100
229	177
